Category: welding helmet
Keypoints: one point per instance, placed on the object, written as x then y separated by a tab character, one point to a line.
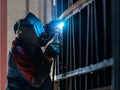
29	29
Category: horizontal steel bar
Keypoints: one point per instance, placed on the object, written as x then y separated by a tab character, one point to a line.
103	88
84	70
75	8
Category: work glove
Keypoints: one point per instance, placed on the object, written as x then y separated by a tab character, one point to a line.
51	31
53	50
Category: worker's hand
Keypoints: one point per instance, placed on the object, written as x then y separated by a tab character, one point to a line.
53	28
53	50
51	31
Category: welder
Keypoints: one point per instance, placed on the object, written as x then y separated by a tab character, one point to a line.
31	54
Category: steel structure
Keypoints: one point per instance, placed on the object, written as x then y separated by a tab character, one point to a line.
89	59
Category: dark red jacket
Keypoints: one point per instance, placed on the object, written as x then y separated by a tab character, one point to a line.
28	68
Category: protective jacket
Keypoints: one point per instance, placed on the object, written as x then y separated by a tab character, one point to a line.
28	68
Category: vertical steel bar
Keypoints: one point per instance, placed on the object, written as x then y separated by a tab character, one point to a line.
87	41
96	33
80	45
67	62
62	42
57	59
116	43
104	26
96	39
58	65
70	3
54	63
105	37
67	54
73	47
87	44
62	5
70	54
91	23
91	10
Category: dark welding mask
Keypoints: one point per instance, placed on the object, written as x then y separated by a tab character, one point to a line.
29	29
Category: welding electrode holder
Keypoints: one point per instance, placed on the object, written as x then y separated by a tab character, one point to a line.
52	32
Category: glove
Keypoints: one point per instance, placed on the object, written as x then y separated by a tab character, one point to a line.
51	30
53	50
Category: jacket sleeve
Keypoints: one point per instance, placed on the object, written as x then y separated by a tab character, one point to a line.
35	71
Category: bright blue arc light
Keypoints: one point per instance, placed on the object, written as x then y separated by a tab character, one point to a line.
60	25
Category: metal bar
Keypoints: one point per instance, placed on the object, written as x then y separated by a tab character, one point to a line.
91	32
75	8
54	63
70	45
84	70
70	87
62	5
73	42
91	42
96	39
67	82
73	48
58	65
104	26
80	45
116	43
87	43
67	48
67	52
105	37
102	88
87	69
70	54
